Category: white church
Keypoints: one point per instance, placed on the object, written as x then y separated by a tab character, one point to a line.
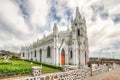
69	47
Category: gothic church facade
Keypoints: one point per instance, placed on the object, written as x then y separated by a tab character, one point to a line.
69	47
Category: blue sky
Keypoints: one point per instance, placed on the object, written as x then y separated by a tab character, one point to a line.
25	21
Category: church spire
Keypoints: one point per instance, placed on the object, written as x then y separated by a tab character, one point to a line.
78	16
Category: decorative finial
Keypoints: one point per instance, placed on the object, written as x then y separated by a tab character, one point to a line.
44	36
72	19
37	40
55	24
68	28
84	20
76	3
55	27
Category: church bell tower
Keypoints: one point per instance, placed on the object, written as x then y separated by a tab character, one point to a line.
79	35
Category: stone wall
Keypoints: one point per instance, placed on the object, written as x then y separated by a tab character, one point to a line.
99	69
78	74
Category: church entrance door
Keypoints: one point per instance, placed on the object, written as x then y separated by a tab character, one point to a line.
62	57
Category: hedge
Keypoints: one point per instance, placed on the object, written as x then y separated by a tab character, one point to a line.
48	65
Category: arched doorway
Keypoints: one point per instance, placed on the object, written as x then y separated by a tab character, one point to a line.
63	57
40	55
85	59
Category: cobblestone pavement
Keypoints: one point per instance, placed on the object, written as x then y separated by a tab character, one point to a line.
111	75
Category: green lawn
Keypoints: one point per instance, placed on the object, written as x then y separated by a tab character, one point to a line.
19	66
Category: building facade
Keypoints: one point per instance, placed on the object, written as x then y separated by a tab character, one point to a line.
69	47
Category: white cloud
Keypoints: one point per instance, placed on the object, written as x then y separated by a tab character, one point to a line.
9	15
15	28
103	33
39	12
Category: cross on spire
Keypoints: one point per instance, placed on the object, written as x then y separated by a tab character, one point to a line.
76	2
77	13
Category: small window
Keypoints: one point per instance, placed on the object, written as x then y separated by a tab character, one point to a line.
48	51
78	32
75	24
35	54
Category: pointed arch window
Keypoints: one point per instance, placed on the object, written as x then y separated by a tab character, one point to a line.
31	55
78	32
23	55
40	51
48	51
71	54
35	54
40	55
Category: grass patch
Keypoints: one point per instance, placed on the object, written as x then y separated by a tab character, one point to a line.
20	66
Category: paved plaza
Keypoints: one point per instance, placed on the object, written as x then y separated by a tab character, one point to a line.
111	75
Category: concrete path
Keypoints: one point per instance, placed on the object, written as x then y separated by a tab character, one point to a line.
111	75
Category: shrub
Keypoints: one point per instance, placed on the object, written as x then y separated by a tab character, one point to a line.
48	65
5	63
